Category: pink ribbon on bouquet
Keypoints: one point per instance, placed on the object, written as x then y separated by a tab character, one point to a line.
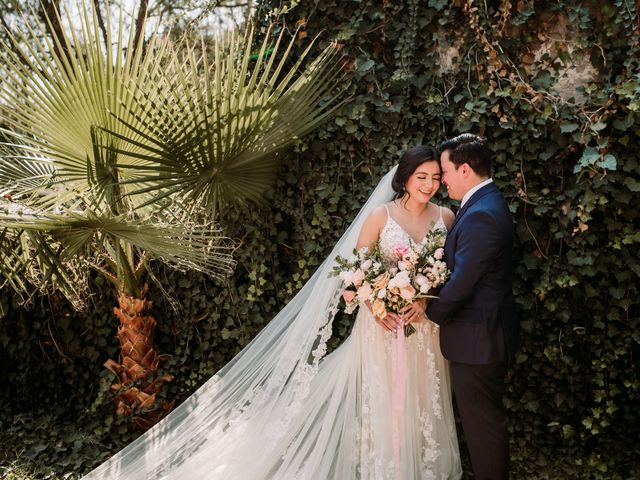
398	393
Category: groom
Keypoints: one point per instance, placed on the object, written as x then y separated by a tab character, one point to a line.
475	308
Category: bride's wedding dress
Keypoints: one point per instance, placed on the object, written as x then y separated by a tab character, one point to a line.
283	409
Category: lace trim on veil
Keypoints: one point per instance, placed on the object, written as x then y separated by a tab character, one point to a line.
271	375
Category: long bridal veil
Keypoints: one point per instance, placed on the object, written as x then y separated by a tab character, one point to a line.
233	426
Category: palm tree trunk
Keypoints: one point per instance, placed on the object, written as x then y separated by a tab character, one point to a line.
140	22
50	14
137	386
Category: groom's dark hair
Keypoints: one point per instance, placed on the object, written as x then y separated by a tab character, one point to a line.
470	149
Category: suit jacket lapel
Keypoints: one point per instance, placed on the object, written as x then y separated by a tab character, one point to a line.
474	198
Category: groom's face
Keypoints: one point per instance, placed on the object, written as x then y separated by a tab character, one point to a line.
452	177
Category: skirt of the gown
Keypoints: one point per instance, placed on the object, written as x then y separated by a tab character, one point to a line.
343	425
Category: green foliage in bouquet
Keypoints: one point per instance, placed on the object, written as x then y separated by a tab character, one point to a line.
413	271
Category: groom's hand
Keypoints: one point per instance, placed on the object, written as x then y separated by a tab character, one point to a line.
414	313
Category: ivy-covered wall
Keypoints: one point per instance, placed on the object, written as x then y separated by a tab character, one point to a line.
555	88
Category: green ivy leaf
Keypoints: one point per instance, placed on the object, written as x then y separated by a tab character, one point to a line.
365	66
439	5
632	184
609	162
589	157
568	127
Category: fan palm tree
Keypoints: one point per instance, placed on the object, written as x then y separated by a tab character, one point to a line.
119	153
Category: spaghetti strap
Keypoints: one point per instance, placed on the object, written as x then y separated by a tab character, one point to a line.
387	209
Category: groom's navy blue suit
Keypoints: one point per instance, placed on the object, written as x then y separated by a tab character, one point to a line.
478	324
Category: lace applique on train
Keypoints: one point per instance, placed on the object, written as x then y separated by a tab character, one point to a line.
284	409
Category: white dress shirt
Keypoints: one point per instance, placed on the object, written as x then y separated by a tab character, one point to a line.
467	195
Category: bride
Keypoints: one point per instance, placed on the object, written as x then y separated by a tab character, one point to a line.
282	409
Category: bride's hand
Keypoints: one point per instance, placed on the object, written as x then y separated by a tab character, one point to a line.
391	321
414	313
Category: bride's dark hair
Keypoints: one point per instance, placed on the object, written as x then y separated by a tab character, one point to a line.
409	161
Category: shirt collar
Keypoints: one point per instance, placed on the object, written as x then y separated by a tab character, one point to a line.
467	195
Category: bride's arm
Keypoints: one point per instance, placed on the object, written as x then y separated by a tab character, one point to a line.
371	228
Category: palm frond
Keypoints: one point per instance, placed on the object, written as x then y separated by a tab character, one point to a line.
111	155
23	171
53	104
220	139
13	264
74	235
30	263
125	131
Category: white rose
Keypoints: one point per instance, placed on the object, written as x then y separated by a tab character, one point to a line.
402	279
357	277
347	277
364	292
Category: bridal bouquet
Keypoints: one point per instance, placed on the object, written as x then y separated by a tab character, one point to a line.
415	270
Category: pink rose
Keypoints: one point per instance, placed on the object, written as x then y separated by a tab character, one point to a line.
438	254
348	295
400	250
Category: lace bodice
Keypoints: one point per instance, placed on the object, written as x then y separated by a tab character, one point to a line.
393	234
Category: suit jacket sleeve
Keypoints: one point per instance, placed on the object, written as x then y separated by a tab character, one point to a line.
478	243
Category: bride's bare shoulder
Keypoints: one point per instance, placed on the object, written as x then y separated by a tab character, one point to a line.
448	216
378	217
372	227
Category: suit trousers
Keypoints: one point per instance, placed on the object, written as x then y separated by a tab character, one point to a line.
478	391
